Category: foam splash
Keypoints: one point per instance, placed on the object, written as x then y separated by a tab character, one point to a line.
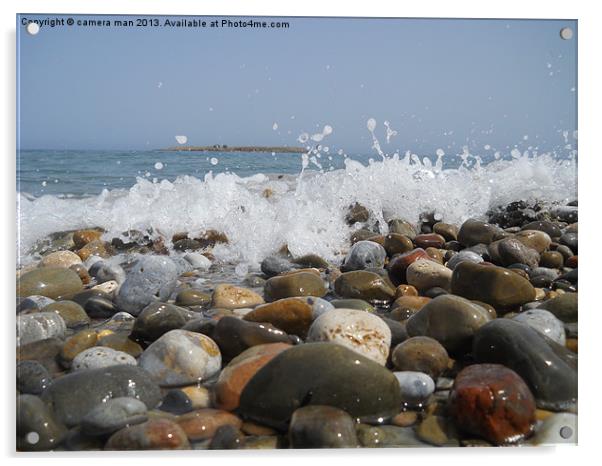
306	213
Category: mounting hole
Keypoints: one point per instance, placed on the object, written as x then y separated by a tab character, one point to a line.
566	33
32	28
32	437
566	432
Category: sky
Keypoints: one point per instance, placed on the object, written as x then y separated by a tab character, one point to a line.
438	83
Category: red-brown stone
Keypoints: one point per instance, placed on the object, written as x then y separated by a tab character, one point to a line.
400	263
155	434
429	240
202	423
493	402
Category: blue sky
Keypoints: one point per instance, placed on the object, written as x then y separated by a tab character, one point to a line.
439	83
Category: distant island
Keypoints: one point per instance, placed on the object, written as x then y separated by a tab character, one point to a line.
224	148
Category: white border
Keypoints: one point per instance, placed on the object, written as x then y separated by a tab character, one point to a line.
589	198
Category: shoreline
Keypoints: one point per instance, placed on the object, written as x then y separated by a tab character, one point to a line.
277	149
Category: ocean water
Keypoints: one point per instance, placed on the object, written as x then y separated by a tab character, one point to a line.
262	201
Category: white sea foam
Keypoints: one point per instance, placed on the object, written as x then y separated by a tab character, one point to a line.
306	213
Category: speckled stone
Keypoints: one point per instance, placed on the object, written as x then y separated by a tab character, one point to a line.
51	282
153	278
39	326
60	259
100	356
360	331
113	415
363	255
181	357
234	297
416	387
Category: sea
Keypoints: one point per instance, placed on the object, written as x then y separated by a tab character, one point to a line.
262	201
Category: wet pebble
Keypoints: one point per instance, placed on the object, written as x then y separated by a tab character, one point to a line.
426	274
322	427
51	282
39	326
155	434
292	285
100	356
361	284
37	427
113	415
421	354
416	387
234	297
363	255
545	323
32	377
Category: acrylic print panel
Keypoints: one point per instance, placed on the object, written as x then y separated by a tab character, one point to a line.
242	233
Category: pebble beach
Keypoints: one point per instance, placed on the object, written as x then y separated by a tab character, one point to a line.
422	332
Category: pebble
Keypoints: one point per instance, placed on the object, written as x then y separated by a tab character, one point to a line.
60	259
274	265
425	274
234	335
360	331
534	239
361	284
493	285
120	342
155	434
83	237
73	395
77	343
291	315
493	402
191	297
181	357
475	231
82	273
564	307
106	272
198	261
421	354
203	423
153	278
95	248
512	251
37	427
570	240
437	431
227	437
156	319
32	377
405	419
43	351
402	227
322	427
399	264
545	323
547	227
429	240
296	284
363	255
387	436
33	303
406	306
39	326
551	259
534	357
463	256
51	282
234	297
176	402
110	288
405	290
100	356
416	387
113	415
397	244
357	213
319	374
447	230
72	313
449	319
